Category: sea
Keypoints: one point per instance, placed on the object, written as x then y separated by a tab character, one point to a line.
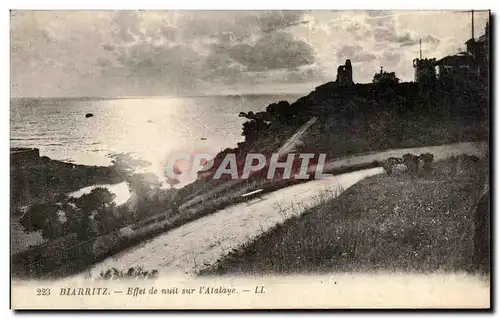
149	128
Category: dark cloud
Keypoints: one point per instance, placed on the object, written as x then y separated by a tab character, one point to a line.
278	50
384	33
431	39
176	67
357	31
389	32
230	55
166	55
219	66
391	58
239	26
125	26
356	53
278	20
385	29
169	33
198	28
379	18
133	52
405	40
378	13
108	47
307	75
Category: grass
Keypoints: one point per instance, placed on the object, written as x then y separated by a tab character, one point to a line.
61	262
391	223
61	257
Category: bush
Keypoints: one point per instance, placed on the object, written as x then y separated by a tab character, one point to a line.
389	164
132	272
427	159
411	162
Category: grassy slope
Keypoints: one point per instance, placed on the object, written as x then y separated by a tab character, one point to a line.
350	121
367	118
382	223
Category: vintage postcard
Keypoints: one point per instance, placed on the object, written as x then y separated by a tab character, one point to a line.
249	159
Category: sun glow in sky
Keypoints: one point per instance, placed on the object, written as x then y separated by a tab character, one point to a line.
119	53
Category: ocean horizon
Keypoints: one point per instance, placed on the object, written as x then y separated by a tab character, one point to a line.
148	127
159	96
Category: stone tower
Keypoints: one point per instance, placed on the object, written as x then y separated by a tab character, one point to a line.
344	74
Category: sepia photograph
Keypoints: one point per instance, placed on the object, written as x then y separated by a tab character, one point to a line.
250	159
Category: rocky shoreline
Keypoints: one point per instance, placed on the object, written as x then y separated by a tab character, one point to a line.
36	179
351	120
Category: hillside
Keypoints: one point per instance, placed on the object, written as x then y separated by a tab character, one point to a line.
363	118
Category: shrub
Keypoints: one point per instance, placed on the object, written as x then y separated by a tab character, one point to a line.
389	164
411	162
132	272
427	159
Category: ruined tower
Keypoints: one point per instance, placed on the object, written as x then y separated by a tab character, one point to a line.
344	74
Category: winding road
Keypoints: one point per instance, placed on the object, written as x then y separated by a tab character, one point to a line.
200	243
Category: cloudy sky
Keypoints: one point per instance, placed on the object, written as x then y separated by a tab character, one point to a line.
117	53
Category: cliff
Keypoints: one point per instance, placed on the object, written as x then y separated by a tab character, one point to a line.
362	118
35	179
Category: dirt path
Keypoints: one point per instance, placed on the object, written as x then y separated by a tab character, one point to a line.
202	242
197	244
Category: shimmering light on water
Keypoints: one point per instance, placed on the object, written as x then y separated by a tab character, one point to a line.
121	191
149	128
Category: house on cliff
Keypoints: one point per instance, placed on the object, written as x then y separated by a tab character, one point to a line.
470	64
461	65
425	70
